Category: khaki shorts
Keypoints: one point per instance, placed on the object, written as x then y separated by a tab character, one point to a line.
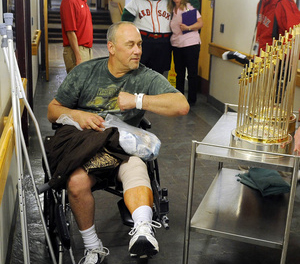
69	57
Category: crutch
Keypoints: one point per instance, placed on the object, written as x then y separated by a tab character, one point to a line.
17	93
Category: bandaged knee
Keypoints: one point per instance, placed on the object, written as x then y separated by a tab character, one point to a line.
134	173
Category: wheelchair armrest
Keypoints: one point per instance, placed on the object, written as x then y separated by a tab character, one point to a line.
43	188
145	123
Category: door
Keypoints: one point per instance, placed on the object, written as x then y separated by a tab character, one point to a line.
205	35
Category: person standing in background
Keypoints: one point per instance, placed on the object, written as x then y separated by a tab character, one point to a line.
274	17
185	41
153	18
77	32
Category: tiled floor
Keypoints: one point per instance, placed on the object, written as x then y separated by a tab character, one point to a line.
176	135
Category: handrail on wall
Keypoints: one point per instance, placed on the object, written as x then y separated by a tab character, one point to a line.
36	42
7	144
218	50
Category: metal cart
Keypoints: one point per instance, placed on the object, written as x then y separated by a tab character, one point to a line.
232	210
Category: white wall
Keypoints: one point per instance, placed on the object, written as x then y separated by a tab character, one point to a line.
4	84
34	26
239	18
9	196
7	205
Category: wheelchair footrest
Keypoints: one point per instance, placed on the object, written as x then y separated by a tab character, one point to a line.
125	214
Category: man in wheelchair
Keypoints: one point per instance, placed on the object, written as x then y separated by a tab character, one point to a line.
118	85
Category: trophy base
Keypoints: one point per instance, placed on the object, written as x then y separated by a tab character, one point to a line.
284	147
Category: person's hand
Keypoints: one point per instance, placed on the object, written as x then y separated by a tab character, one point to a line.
184	27
297	141
88	120
78	61
126	101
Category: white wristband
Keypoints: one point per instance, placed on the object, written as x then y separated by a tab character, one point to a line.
139	101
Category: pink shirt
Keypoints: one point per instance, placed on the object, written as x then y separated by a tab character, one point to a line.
178	39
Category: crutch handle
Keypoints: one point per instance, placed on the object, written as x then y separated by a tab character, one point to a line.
8	18
2	29
43	188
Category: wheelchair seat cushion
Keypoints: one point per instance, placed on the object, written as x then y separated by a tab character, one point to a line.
71	148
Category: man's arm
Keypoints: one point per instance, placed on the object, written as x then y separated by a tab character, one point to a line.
168	104
86	120
127	16
195	4
74	45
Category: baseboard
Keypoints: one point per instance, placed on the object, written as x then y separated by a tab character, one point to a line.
216	103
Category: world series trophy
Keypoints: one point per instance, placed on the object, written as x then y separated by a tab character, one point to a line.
265	119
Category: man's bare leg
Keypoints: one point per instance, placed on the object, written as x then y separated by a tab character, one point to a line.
83	207
81	198
138	196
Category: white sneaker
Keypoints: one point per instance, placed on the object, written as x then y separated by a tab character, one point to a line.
143	242
94	256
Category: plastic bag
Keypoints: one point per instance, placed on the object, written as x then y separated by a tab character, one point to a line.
134	141
67	120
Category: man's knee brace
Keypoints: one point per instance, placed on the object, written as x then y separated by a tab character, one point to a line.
133	173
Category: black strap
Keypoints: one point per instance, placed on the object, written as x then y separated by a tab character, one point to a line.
257	16
275	32
258	11
275	28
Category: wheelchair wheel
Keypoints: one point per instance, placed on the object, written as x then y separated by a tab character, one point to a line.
160	195
56	214
49	215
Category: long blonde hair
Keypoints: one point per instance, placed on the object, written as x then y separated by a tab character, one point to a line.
171	5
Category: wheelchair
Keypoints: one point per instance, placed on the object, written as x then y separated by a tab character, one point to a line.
57	210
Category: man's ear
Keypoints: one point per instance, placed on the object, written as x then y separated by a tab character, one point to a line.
111	47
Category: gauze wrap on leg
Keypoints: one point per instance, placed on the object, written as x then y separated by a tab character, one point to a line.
133	173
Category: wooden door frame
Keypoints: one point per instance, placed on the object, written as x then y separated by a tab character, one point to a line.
24	53
44	38
207	10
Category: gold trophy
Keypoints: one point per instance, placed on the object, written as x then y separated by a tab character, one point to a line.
265	119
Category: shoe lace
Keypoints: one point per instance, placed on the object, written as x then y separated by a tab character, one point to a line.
148	224
90	256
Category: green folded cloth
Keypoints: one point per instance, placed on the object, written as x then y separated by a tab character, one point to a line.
268	182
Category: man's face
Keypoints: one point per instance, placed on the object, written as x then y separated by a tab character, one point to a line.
128	47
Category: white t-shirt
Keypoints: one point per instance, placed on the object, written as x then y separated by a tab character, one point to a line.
151	16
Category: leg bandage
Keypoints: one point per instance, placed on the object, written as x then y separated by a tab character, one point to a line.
133	173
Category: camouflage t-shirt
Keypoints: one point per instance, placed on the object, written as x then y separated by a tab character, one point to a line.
91	87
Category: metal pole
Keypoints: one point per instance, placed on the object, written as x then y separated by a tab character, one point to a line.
189	204
17	94
290	209
14	97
